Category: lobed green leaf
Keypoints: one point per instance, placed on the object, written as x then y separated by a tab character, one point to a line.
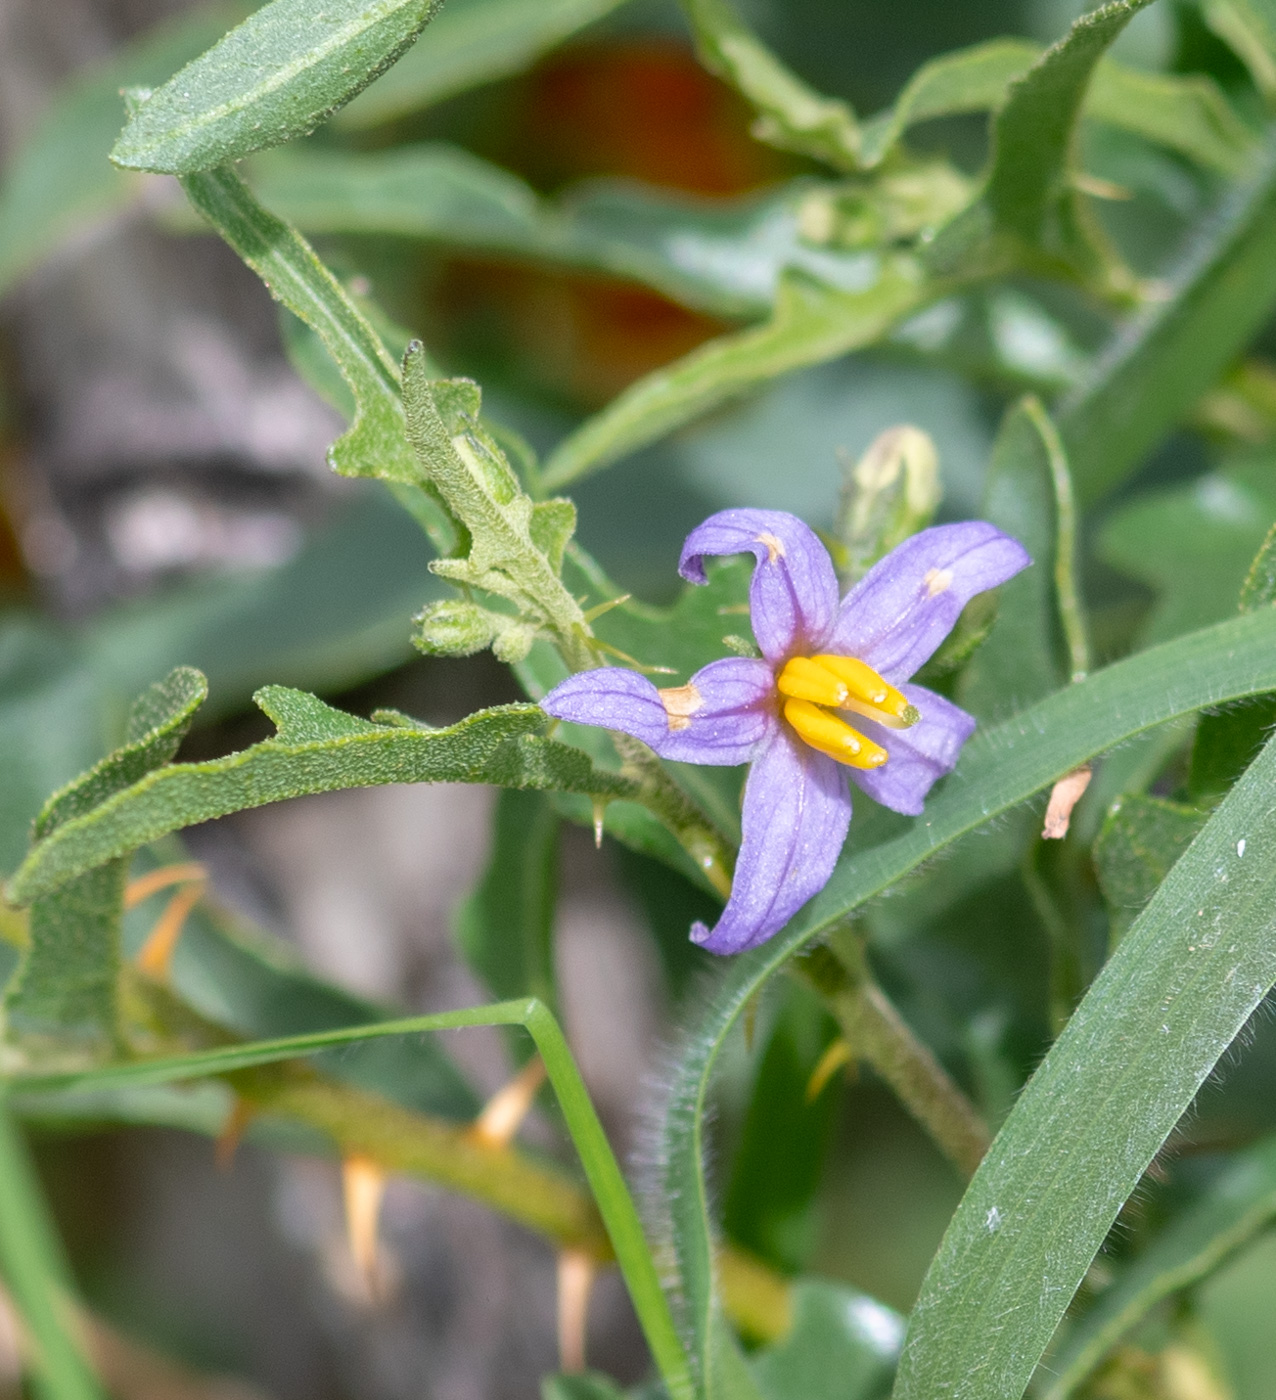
316	749
273	77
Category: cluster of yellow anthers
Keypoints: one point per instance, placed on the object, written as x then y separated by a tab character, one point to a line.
813	685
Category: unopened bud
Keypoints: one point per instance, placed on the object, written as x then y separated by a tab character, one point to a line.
454	628
514	642
889	494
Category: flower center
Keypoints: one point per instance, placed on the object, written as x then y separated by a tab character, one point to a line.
810	683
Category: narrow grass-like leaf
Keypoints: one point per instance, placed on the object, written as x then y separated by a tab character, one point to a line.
999	769
811	324
376	444
1236	1206
601	1169
38	1279
470	42
316	749
1174	995
60	184
65	997
274	77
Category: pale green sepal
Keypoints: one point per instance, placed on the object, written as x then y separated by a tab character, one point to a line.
889	494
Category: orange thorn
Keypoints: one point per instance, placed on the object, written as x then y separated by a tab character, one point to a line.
237	1120
156	955
838	1054
1064	796
503	1114
146	885
575	1283
363	1186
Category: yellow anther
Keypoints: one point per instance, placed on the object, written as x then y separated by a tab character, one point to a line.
804	678
867	693
830	735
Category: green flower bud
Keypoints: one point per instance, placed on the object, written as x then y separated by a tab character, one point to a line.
889	494
454	628
514	642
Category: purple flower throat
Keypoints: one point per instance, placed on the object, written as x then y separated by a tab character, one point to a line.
782	713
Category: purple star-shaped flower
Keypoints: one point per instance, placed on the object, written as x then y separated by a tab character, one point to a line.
782	714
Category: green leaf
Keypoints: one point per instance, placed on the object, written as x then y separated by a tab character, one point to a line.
505	929
1227	742
60	183
602	1171
1193	544
1136	849
1030	208
587	1385
1187	114
511	539
1184	113
1166	1006
1249	27
376	444
38	1279
470	42
1174	350
276	76
791	114
1259	588
999	768
1235	1207
842	1346
770	1201
317	749
65	998
811	324
974	79
725	256
1022	660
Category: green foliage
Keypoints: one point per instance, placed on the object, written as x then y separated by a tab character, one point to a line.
65	996
38	1279
811	323
791	114
1234	1208
1021	661
375	444
842	1346
770	1202
505	929
470	42
1136	848
274	77
1171	999
316	749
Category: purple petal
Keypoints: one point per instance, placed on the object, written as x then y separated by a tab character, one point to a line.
918	756
796	812
793	596
720	717
907	603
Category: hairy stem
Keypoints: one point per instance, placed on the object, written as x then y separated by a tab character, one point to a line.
879	1036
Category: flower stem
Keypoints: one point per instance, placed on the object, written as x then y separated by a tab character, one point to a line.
879	1036
703	842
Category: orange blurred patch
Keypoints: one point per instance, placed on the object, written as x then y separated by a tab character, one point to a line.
641	109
